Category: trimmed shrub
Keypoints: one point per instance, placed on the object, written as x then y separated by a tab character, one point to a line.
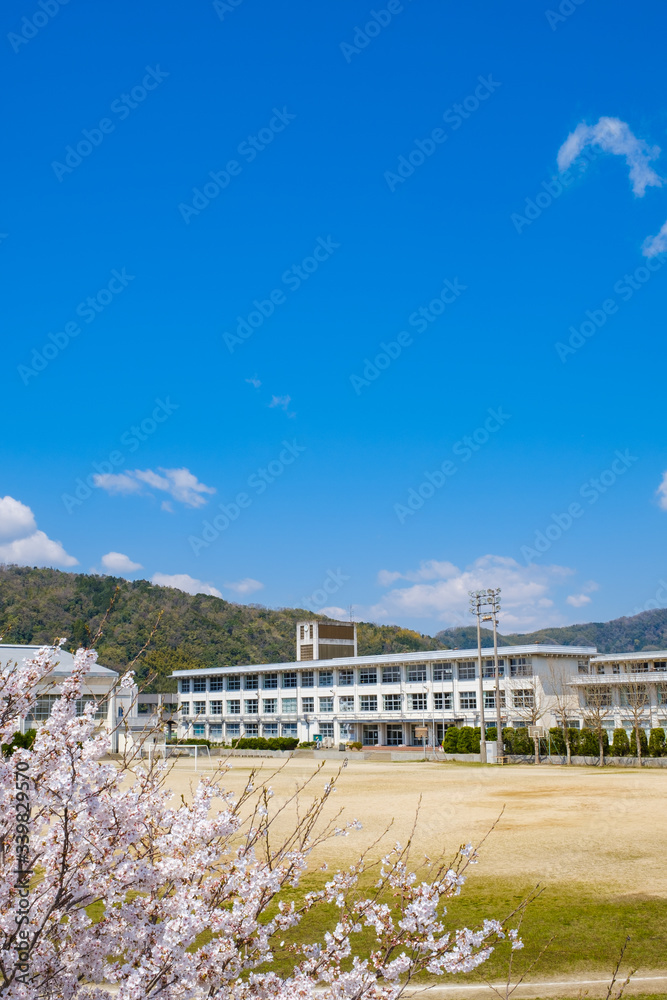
656	743
575	740
450	744
620	744
19	741
261	743
491	734
356	745
508	739
589	744
643	742
467	740
522	742
557	741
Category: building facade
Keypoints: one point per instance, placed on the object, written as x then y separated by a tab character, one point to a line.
623	690
384	700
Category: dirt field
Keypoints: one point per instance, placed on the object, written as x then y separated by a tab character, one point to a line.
605	828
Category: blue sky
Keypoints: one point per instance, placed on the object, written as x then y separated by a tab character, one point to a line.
218	217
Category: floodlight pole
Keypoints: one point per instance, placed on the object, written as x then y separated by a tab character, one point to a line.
476	599
495	609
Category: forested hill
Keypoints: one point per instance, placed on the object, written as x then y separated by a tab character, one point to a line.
37	605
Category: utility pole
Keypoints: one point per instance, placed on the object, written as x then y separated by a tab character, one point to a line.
477	600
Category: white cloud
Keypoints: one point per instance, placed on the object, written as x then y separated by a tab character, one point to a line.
333	612
23	543
439	591
180	484
661	492
282	402
577	600
612	135
245	586
188	584
119	563
16	519
254	381
654	245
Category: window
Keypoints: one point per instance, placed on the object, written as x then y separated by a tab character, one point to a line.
467	700
307	679
442	671
270	706
199	730
185	686
200	708
289	679
599	668
660	665
251	682
270	681
368	703
442	701
634	697
251	729
489	668
418	702
270	728
215	731
490	699
234	682
616	668
368	675
582	666
369	736
520	667
639	668
326	730
251	706
326	704
523	698
302	631
326	678
233	729
466	671
215	684
199	684
392	702
144	708
391	675
662	694
233	707
416	673
216	708
307	704
346	703
288	706
346	678
185	707
394	735
290	729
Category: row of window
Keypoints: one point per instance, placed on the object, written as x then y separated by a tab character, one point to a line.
632	696
627	667
442	701
414	674
42	707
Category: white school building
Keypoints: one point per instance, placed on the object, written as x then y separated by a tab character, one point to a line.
386	700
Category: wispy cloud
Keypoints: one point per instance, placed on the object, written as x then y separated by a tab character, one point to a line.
245	586
188	584
439	590
22	543
612	135
119	563
180	484
254	381
654	245
281	402
661	492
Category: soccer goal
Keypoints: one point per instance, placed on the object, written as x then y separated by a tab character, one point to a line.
177	751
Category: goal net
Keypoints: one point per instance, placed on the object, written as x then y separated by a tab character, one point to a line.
176	752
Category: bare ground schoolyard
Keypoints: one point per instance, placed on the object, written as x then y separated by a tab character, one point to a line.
594	839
